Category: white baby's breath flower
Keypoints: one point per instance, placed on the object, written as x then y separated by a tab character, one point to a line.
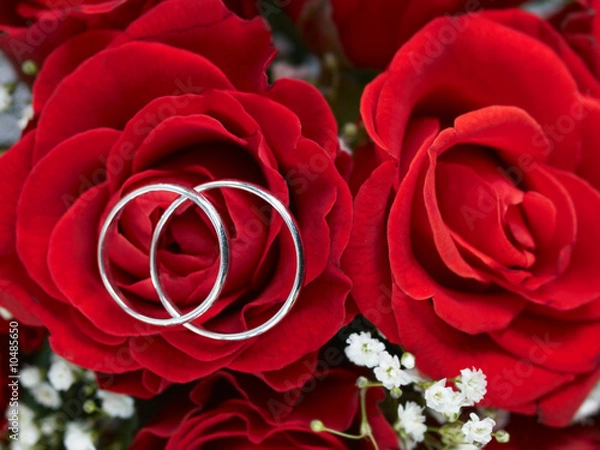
89	376
19	445
26	414
363	349
473	385
77	437
61	375
590	406
5	98
117	405
26	116
389	372
408	360
5	314
29	433
408	444
465	447
49	425
478	431
31	376
412	421
46	395
443	399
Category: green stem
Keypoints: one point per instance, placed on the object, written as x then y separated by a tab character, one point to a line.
363	405
365	427
373	441
344	435
365	419
429	447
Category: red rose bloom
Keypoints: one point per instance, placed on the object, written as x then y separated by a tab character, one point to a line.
475	242
169	100
371	31
241	412
32	29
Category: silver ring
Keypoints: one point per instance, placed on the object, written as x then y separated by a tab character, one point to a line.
215	218
300	269
177	318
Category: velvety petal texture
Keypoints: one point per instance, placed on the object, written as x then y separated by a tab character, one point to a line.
240	412
200	110
32	30
479	228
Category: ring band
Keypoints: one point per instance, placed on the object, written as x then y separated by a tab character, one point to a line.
222	238
195	195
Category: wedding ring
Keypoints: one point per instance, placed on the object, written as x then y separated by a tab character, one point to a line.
195	196
222	237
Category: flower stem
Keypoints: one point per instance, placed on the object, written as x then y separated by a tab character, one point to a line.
373	441
344	435
365	428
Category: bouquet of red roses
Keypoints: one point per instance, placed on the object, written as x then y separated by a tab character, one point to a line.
314	224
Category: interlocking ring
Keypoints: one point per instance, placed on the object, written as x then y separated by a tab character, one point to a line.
195	196
222	238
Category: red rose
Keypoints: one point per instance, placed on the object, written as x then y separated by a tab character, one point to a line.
526	433
242	412
31	30
181	97
475	241
579	23
371	31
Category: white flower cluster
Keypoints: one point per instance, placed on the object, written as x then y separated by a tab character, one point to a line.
472	387
412	420
29	433
478	431
15	106
60	377
117	405
443	401
47	388
364	350
78	437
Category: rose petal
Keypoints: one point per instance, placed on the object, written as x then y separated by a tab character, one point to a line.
15	165
366	258
580	283
241	49
442	351
552	344
68	112
75	272
46	196
64	60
